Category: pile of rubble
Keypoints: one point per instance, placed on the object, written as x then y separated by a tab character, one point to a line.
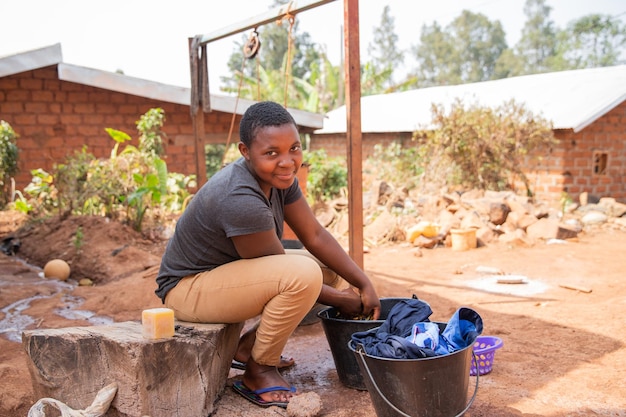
426	221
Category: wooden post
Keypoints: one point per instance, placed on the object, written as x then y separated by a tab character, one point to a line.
353	129
198	78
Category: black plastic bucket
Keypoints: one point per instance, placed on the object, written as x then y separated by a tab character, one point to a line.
339	332
430	387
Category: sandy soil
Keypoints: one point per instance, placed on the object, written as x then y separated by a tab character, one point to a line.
564	350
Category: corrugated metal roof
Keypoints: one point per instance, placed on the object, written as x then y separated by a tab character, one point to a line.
569	99
51	55
31	60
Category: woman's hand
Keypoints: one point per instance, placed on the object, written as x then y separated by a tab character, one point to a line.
353	305
349	304
370	302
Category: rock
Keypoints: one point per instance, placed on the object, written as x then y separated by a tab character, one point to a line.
594	217
472	195
425	242
382	226
567	232
307	404
613	208
472	221
446	221
451	198
543	229
516	207
525	221
551	229
498	213
516	238
620	222
324	214
486	235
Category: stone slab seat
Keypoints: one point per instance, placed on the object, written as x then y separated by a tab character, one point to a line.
181	376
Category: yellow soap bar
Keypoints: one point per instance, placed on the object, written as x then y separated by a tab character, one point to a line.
158	323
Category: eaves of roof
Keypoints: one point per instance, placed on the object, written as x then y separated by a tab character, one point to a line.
568	99
48	56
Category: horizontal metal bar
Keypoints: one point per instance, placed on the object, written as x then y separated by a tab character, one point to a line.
270	16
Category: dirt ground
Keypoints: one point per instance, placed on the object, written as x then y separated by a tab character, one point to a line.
564	350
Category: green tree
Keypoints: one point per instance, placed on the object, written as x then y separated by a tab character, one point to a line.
594	41
509	64
466	51
433	55
274	41
537	48
479	42
384	52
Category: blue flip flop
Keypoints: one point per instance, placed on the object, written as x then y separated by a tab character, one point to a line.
255	395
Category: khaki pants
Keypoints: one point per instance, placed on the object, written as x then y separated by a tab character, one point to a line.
280	288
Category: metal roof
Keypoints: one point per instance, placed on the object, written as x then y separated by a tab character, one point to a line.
569	99
51	55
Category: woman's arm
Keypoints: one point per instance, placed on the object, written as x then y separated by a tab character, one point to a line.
325	247
258	244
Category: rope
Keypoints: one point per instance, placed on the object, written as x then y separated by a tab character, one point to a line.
250	50
288	63
291	18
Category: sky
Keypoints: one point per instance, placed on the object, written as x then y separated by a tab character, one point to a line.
149	39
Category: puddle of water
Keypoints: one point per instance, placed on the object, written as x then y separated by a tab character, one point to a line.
491	284
14	322
70	311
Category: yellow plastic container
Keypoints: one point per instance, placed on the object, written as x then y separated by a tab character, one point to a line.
423	228
463	239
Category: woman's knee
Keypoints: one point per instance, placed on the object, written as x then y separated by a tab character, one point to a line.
308	273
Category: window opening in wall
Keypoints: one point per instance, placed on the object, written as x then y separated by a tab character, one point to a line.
600	162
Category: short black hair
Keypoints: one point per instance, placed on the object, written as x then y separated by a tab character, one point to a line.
260	115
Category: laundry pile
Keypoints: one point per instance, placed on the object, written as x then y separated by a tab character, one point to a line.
408	333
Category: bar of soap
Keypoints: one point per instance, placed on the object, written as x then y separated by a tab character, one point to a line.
157	323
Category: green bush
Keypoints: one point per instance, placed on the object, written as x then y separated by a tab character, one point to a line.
479	147
130	186
150	134
327	176
395	164
8	161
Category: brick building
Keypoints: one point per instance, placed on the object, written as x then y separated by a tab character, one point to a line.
587	108
57	108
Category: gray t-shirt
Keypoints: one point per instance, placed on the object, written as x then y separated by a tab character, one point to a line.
230	204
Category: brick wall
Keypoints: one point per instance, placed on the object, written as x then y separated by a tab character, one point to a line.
335	144
568	167
55	118
571	166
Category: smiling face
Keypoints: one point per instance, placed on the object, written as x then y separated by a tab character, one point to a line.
274	156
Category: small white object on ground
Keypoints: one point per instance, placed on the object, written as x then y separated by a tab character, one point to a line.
98	408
